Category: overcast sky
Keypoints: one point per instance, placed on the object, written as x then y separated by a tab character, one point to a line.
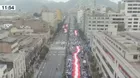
59	0
67	0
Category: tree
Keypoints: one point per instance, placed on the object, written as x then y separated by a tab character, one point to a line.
121	27
36	14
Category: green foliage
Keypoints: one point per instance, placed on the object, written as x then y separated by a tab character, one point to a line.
36	15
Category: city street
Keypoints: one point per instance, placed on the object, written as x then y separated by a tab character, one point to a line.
54	63
76	63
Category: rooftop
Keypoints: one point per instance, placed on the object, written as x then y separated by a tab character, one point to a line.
10	57
2	31
131	0
8	40
2	65
127	42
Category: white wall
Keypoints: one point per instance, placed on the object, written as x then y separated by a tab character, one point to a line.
19	65
10	74
4	34
79	16
2	69
48	17
113	28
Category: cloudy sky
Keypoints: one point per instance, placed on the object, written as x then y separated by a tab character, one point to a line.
67	0
59	0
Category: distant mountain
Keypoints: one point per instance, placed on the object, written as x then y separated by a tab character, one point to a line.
34	5
107	3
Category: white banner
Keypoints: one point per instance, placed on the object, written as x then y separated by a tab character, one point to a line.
7	7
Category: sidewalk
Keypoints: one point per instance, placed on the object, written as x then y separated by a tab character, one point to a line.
36	71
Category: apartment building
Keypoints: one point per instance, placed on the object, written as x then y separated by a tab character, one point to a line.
22	30
31	46
118	56
15	62
3	34
3	68
99	22
116	18
59	15
8	45
132	13
36	24
49	17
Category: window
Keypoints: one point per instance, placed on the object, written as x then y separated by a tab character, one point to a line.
129	25
135	11
120	48
101	29
130	19
98	21
89	21
89	28
134	15
134	4
129	22
135	22
107	18
93	29
89	24
135	26
135	57
129	11
135	18
135	29
106	25
100	25
129	8
93	21
129	4
135	8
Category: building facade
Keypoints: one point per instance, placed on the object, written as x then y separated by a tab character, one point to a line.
117	55
59	15
132	12
3	70
99	22
8	45
15	62
49	17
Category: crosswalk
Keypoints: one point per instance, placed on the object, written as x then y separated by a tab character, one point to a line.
56	54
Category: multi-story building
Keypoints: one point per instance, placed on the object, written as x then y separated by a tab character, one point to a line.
15	62
36	24
3	34
31	46
79	16
59	16
3	68
132	12
86	4
98	22
117	18
8	45
23	30
117	55
49	17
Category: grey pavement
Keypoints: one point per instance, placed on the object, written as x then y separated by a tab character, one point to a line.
54	64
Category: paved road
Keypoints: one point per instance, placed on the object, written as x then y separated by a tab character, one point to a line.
54	59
